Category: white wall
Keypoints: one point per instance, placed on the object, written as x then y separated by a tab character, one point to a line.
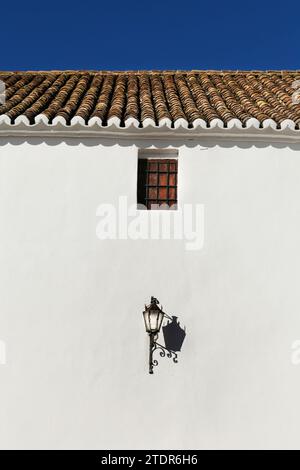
71	305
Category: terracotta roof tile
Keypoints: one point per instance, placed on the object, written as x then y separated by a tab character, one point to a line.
132	105
159	99
154	96
146	99
89	100
104	97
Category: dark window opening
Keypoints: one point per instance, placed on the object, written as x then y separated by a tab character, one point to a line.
157	182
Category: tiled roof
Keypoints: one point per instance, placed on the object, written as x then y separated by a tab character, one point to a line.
187	99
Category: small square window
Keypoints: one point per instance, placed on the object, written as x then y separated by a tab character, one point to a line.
157	182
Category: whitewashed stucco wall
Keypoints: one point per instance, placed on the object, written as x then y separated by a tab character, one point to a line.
70	304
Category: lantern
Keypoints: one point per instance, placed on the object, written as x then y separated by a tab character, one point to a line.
153	317
173	333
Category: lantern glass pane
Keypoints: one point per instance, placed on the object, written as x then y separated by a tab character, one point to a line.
160	319
156	317
153	314
147	321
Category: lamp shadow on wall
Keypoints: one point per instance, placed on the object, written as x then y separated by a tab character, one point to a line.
174	335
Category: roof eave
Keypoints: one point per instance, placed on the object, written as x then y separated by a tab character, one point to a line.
270	132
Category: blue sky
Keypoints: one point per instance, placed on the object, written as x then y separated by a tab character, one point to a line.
123	35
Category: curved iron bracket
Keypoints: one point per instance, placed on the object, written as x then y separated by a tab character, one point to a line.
163	352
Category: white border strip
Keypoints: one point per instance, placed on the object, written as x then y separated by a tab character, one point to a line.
95	128
163	123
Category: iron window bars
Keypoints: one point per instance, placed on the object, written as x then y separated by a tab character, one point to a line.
157	182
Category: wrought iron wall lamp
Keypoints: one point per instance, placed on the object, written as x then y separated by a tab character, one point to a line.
173	334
